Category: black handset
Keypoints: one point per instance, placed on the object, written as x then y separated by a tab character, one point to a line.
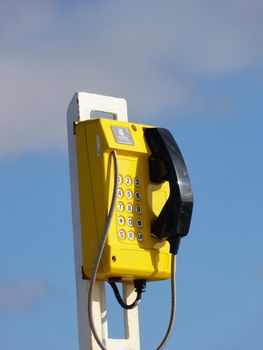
166	163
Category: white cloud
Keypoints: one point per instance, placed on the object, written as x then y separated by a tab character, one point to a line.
19	295
149	52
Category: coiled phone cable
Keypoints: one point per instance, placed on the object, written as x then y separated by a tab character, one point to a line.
97	262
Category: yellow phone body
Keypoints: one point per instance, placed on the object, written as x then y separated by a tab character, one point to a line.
130	251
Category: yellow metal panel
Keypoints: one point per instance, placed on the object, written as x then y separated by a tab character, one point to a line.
130	251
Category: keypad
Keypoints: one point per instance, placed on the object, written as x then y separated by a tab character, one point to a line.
129	209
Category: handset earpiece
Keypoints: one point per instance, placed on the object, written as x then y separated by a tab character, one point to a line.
166	163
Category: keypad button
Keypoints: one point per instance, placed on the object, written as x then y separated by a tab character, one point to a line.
120	206
128	180
138	209
131	235
129	194
139	236
119	193
137	195
121	234
129	208
137	182
121	220
119	179
130	222
139	223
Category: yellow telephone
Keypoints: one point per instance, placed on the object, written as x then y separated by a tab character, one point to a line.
153	199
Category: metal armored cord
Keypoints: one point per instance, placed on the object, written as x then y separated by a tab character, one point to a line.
97	262
100	251
173	305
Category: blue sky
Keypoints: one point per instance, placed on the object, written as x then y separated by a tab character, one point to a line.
195	68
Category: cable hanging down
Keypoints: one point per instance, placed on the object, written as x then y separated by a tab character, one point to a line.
100	251
139	284
173	305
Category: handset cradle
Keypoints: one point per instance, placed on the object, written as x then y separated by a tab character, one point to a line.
166	163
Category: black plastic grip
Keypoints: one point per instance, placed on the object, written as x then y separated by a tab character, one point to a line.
166	163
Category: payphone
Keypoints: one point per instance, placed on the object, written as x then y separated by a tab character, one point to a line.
135	203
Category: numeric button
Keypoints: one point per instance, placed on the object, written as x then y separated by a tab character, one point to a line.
130	222
121	220
119	193
121	235
131	235
129	194
119	179
120	206
129	208
137	182
138	209
139	223
139	236
128	180
137	195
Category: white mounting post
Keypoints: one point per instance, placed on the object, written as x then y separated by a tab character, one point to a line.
80	108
